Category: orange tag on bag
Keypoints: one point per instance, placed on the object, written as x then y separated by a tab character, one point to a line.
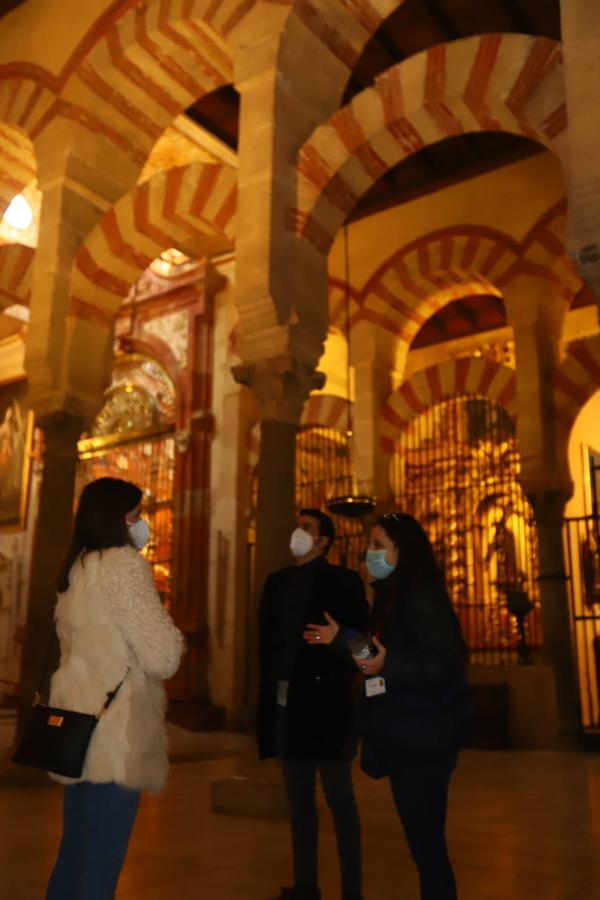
55	721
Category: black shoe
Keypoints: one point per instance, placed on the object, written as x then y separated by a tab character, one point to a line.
299	892
352	897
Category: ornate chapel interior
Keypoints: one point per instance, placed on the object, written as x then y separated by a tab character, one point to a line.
261	255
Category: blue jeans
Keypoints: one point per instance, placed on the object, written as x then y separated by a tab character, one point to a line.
97	823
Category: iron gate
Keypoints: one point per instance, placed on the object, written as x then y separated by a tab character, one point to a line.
582	552
456	469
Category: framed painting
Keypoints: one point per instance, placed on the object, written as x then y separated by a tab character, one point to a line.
16	432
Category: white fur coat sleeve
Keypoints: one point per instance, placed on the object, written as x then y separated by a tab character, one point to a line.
147	628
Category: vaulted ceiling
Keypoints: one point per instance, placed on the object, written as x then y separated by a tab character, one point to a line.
413	27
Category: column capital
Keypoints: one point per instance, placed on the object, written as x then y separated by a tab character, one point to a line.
280	385
549	505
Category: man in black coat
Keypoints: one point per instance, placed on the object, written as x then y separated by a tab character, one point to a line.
305	708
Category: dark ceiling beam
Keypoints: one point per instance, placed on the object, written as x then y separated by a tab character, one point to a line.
523	23
443	19
389	44
467	312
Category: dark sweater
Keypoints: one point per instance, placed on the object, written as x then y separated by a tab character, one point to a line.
420	631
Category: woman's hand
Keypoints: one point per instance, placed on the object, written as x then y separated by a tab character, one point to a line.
373	666
321	634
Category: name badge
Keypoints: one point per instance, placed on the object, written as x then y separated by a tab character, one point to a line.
282	692
374	686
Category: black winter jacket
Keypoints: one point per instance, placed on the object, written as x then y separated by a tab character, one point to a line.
319	714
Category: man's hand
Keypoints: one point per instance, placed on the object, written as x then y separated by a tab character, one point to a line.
373	666
321	634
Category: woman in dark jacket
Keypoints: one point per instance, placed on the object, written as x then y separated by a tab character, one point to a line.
416	699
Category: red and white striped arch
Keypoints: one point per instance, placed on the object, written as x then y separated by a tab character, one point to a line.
576	379
475	376
320	410
497	82
543	253
149	62
453	263
434	270
141	63
191	208
15	274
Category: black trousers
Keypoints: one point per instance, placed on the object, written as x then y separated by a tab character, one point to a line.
420	791
300	784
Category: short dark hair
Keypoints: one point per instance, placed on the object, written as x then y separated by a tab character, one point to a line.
100	520
326	526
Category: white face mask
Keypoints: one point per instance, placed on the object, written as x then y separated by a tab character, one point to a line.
139	532
301	542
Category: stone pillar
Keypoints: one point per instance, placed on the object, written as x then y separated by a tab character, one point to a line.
281	387
69	348
68	354
537	316
548	508
52	532
580	21
374	359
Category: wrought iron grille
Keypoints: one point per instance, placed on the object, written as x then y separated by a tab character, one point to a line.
582	556
456	469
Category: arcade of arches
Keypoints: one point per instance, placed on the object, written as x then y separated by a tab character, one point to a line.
243	231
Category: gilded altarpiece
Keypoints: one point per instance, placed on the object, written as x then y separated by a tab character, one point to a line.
156	429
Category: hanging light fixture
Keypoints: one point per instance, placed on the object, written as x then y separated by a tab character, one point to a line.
350	503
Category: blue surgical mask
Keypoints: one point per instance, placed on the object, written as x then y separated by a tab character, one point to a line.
139	532
377	565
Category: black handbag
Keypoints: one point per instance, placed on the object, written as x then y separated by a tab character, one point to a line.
57	740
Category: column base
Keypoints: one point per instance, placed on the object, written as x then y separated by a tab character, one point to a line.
527	700
195	715
250	796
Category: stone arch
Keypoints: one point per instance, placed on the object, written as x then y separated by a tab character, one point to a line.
456	262
432	271
150	62
546	240
575	380
16	266
494	82
337	303
192	207
477	376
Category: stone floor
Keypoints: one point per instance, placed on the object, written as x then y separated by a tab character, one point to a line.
524	826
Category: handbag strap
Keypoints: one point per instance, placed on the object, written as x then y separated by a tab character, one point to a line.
110	696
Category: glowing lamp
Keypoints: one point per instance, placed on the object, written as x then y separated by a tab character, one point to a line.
19	213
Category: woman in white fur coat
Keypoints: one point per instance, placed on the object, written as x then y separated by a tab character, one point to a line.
112	628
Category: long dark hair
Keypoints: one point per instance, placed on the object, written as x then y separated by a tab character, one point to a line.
416	558
100	521
416	555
